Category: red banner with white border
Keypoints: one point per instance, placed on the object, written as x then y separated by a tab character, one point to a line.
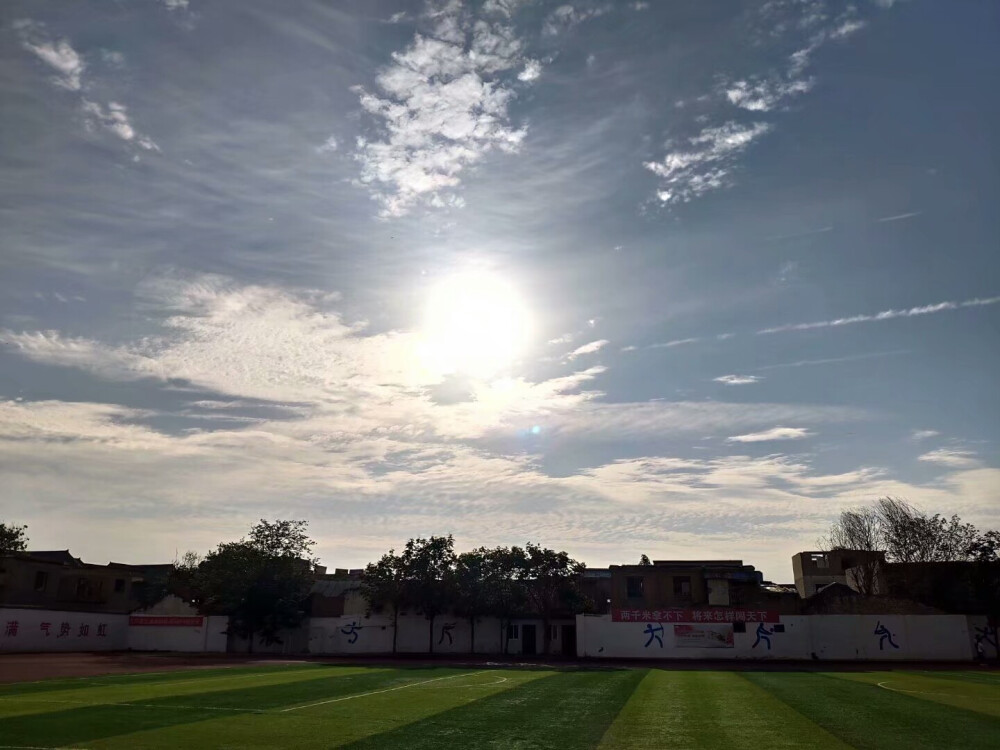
164	621
694	615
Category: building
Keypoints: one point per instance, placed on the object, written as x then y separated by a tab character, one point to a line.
814	570
55	580
688	584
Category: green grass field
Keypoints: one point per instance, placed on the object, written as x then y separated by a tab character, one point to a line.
317	706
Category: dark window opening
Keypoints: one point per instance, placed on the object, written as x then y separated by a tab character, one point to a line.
739	627
119	585
41	580
682	585
512	632
634	587
778	628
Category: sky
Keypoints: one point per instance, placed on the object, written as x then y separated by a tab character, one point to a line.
681	279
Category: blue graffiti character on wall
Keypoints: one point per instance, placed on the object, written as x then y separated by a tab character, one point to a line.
653	631
353	630
883	632
763	634
446	631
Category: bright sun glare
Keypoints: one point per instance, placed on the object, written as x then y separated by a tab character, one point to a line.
475	324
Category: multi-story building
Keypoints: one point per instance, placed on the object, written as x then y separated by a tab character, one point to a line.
814	570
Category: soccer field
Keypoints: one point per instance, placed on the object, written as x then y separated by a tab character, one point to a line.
316	706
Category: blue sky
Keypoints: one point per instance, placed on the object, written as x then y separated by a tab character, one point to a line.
683	279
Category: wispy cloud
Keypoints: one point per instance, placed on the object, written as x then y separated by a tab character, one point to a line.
737	379
898	217
566	17
704	162
884	315
56	53
958	459
776	433
442	106
672	344
60	55
593	346
923	434
833	360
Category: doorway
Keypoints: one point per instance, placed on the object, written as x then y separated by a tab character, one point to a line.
569	640
528	647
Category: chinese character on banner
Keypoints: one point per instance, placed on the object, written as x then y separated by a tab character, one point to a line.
625	615
84	631
751	617
657	615
718	615
696	616
741	616
729	615
102	630
11	628
44	627
762	616
63	630
647	615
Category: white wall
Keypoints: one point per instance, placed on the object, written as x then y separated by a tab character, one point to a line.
373	635
22	630
830	637
210	636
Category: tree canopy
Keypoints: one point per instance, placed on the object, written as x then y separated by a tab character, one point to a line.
13	538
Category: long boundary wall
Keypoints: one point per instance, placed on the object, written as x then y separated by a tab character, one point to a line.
824	637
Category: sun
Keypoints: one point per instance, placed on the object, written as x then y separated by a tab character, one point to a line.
475	324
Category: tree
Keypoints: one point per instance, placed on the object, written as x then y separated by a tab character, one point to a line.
550	584
260	582
13	538
504	589
383	585
859	529
644	560
472	599
428	568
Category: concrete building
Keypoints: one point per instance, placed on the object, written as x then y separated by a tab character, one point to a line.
814	570
54	579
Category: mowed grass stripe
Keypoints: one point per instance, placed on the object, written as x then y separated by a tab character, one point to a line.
970	696
83	724
565	710
866	716
695	709
141	678
983	678
191	690
331	725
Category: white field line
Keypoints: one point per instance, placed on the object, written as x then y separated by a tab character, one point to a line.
37	747
379	692
499	681
885	686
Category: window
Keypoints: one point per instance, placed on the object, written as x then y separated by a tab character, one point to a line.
634	587
41	580
512	632
739	627
553	632
778	628
119	585
682	585
819	560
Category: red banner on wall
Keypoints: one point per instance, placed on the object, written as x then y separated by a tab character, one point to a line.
163	621
694	615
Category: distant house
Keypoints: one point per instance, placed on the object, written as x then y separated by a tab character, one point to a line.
816	569
54	579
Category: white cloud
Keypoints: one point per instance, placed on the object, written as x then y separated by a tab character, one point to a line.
176	4
884	315
56	53
737	379
329	146
898	217
565	17
532	70
675	342
847	28
505	8
442	107
593	346
706	162
114	118
958	459
776	433
924	434
764	95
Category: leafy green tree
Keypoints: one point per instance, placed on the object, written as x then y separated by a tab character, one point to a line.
504	590
13	538
470	588
428	570
550	579
384	585
644	560
260	582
